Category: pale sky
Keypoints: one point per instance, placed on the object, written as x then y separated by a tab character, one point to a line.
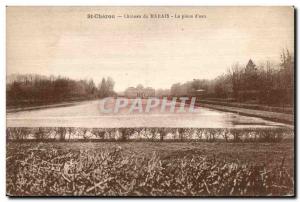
153	52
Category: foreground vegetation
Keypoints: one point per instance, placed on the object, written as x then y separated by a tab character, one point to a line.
150	134
150	169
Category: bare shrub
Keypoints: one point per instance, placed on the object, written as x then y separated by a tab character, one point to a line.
17	133
61	132
99	133
41	134
162	132
125	133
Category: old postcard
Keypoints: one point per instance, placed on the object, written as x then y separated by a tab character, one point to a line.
150	101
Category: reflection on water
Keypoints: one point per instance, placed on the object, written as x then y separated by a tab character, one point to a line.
88	114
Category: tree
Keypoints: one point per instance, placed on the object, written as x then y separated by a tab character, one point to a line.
106	88
103	89
91	87
110	86
235	75
175	89
287	74
24	90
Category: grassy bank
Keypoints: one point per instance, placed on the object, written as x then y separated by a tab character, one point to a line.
268	115
281	109
10	109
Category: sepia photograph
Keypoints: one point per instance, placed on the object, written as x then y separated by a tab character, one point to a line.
160	101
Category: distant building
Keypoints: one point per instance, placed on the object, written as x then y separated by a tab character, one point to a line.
139	91
199	92
131	92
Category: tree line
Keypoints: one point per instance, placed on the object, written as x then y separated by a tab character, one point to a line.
31	90
266	83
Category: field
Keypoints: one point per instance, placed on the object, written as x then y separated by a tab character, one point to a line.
150	168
